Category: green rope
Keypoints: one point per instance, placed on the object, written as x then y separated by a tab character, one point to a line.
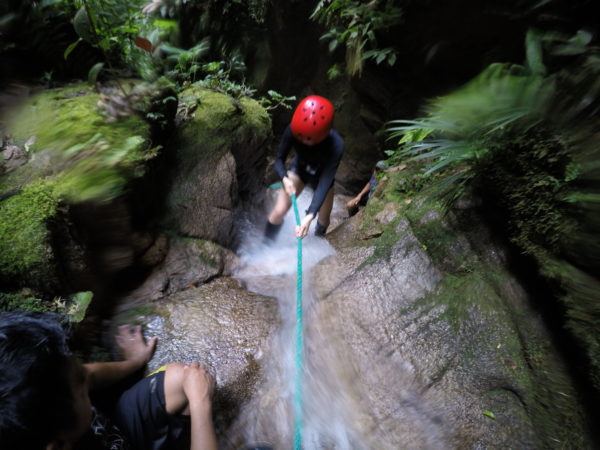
299	341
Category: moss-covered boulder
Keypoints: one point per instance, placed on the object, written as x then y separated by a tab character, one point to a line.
218	154
74	156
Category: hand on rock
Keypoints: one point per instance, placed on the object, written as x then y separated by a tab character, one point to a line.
133	345
198	385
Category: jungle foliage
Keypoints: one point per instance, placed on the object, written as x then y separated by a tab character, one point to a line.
523	138
140	39
355	24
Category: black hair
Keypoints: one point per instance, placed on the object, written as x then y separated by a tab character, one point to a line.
36	392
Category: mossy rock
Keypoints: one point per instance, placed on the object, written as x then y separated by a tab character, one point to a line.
218	151
25	241
477	301
75	156
216	122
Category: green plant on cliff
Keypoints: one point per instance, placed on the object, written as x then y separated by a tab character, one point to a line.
455	135
355	24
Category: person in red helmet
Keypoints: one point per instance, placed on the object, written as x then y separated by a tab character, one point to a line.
319	149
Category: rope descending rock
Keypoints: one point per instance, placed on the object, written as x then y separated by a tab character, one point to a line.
299	342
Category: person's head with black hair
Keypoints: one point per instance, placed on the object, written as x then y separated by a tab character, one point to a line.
44	402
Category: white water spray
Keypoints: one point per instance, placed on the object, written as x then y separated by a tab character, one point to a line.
331	413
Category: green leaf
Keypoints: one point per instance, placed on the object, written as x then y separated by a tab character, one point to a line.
489	414
582	38
380	57
533	47
79	305
333	45
94	72
392	59
71	47
83	25
165	24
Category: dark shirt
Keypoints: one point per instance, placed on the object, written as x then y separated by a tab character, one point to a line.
103	435
324	157
373	184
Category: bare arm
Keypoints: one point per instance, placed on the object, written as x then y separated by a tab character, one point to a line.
356	200
364	191
282	151
136	353
203	431
198	386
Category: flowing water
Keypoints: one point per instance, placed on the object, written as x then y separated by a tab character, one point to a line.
331	413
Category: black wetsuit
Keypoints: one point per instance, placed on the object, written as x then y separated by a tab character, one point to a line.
314	164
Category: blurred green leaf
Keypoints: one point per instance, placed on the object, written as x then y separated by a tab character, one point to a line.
71	47
533	48
94	72
489	414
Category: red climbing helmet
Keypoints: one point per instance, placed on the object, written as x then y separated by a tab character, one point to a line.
312	119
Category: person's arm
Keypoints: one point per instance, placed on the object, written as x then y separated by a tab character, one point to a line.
356	200
198	386
282	152
136	354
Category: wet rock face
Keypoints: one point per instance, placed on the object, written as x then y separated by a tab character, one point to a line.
205	201
222	326
188	263
442	359
12	157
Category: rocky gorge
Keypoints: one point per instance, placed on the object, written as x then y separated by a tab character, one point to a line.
128	201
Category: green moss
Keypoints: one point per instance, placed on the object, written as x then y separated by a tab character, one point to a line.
212	125
256	116
210	252
64	117
24	236
458	294
91	159
22	301
216	122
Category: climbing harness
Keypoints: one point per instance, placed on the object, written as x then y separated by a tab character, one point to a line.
299	341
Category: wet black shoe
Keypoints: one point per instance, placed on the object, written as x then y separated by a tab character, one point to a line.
271	232
320	230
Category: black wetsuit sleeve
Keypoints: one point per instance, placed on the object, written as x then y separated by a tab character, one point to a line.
327	175
282	151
